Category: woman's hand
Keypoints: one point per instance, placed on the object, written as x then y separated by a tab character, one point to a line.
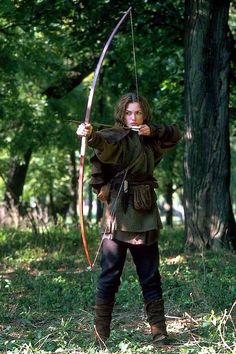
104	193
144	130
84	129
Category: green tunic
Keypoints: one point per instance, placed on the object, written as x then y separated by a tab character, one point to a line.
116	150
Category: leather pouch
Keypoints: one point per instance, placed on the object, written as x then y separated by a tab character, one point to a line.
144	197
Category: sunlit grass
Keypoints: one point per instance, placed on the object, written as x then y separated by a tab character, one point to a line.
47	297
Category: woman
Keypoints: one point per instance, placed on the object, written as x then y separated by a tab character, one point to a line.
122	176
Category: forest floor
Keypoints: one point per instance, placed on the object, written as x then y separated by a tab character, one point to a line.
47	297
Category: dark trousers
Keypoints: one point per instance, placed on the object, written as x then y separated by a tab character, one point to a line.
146	260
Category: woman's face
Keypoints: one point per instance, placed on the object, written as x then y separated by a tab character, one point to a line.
133	115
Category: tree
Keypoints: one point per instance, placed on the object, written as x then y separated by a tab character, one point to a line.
47	50
209	218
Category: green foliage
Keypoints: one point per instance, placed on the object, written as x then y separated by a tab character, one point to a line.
47	297
48	53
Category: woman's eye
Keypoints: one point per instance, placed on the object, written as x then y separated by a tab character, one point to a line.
129	113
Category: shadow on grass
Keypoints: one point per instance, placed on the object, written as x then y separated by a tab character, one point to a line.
47	297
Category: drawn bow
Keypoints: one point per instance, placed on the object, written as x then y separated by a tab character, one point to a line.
83	142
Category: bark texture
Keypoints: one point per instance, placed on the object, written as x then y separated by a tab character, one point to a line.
16	180
208	210
169	202
74	185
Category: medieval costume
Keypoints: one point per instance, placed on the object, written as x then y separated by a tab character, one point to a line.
122	176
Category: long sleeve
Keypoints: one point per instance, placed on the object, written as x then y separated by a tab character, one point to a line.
168	135
164	138
105	151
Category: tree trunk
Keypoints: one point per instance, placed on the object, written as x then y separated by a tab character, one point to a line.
16	180
74	186
169	203
208	209
52	206
90	203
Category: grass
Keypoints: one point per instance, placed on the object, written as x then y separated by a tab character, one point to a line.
47	297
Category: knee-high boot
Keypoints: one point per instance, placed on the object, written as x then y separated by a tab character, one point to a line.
102	320
156	319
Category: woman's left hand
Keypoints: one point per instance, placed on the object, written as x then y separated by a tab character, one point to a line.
84	129
144	130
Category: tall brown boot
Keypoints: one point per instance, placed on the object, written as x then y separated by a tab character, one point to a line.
156	319
102	321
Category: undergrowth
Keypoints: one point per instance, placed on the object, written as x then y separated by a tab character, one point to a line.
47	297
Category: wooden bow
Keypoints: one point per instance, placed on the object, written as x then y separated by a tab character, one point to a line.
83	142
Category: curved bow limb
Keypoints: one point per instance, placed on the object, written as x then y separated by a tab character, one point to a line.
83	142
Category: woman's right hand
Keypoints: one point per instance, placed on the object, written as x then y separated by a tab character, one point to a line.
84	129
104	193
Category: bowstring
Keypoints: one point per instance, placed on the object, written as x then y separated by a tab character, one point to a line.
134	54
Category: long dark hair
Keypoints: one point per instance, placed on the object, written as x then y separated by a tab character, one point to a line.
122	106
